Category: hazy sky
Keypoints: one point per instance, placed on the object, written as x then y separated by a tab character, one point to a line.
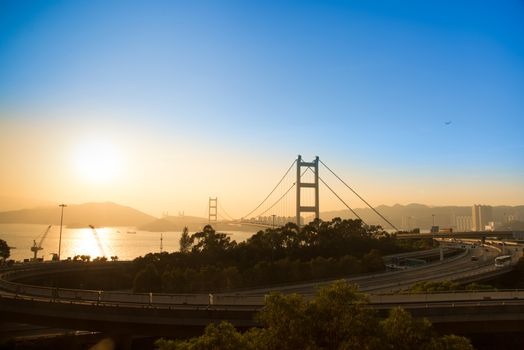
161	104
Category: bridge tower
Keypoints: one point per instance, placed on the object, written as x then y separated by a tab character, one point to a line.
213	211
316	207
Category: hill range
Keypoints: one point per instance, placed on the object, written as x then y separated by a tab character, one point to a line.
111	214
79	215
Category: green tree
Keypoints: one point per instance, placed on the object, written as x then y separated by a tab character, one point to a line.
286	323
340	318
372	261
337	318
185	241
400	331
453	342
223	336
5	251
434	286
147	280
479	286
210	242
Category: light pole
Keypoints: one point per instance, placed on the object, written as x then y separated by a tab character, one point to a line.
60	238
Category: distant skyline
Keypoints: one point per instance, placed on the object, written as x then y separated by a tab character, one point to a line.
160	104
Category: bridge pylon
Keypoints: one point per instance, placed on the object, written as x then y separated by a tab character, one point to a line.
213	210
299	185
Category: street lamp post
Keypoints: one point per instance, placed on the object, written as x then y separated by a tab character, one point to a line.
60	238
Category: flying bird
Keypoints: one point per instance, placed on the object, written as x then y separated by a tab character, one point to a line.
448	122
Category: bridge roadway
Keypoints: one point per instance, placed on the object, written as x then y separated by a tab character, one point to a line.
165	314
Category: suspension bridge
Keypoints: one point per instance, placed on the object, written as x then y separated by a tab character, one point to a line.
282	205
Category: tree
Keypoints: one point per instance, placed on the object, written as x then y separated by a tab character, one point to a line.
147	280
223	336
400	331
210	242
340	316
185	241
337	318
286	323
5	251
434	286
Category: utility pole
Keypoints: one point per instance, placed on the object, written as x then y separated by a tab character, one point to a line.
161	239
60	237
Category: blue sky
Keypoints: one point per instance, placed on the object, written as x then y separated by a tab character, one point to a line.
367	86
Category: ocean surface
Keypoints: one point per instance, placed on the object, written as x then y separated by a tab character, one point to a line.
125	242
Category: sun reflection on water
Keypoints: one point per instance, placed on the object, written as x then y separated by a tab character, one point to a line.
115	241
87	243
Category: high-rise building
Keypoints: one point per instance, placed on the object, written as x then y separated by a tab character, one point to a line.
481	215
463	223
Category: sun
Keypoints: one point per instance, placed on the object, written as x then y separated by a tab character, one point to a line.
97	162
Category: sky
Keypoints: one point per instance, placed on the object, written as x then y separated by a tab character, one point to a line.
161	104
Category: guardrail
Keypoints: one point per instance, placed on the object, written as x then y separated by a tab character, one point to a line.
120	297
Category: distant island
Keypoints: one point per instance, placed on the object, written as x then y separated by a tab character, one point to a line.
79	215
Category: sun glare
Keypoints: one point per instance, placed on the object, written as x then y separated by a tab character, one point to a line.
97	162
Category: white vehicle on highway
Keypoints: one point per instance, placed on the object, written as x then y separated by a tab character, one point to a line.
503	260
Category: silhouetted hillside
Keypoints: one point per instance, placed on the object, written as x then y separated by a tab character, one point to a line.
97	214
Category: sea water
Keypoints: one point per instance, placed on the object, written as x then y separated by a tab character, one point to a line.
125	242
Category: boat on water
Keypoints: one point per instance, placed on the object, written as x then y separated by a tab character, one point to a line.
131	232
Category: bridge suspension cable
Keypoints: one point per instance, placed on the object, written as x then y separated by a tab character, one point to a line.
273	190
347	206
278	200
228	217
362	199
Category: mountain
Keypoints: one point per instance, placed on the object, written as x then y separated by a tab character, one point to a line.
420	215
15	203
79	215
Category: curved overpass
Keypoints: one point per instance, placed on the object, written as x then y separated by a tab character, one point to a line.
163	314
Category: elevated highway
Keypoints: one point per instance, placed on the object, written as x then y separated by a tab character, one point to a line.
467	312
167	314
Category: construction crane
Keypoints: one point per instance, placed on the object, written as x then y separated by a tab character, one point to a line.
37	247
95	234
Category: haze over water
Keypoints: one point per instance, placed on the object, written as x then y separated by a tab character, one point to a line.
81	241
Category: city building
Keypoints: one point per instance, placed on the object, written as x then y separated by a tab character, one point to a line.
481	216
463	223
